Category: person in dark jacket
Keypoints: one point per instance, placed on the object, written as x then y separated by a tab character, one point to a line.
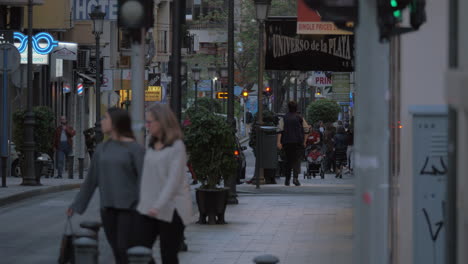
340	148
63	143
116	169
292	139
328	148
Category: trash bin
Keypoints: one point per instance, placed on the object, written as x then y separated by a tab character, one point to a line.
268	147
41	163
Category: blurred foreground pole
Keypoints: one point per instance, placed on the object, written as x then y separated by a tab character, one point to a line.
372	140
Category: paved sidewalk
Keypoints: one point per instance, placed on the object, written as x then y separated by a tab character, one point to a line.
299	229
15	192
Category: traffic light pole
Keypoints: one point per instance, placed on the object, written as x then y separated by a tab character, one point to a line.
138	89
372	140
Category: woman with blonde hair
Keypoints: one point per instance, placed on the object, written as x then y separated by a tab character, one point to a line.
165	204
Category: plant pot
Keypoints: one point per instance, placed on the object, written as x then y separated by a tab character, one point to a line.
212	205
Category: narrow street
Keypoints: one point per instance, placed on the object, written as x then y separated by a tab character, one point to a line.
295	224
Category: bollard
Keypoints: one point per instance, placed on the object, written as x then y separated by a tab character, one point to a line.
92	225
85	251
71	160
88	233
266	259
139	255
80	167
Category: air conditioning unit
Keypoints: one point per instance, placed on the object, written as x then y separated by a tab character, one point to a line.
83	59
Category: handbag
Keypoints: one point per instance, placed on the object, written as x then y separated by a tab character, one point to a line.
66	246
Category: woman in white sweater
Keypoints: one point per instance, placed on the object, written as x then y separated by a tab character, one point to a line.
165	204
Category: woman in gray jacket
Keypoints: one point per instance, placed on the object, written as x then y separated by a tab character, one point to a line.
116	170
165	204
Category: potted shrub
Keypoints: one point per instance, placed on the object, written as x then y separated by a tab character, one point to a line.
43	135
211	144
325	110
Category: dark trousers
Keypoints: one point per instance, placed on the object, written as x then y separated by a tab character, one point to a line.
118	224
62	154
293	153
171	235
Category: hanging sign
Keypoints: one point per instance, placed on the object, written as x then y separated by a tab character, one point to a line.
66	88
43	43
80	89
288	51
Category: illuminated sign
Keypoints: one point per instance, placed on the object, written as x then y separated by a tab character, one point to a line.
39	49
43	44
222	95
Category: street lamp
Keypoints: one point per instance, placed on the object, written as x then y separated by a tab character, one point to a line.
196	78
98	27
212	75
262	7
223	72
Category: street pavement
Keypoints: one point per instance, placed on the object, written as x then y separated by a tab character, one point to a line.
300	225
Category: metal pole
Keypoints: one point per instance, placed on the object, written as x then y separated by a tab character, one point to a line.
211	97
138	89
295	89
4	133
98	131
452	192
196	94
176	56
261	62
29	176
230	88
372	141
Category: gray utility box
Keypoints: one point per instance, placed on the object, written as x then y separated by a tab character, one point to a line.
430	164
269	152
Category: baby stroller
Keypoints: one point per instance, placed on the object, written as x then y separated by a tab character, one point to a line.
315	163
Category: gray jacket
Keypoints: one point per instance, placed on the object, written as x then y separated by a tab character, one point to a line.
116	168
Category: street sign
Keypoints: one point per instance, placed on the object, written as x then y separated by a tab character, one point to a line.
222	95
9	58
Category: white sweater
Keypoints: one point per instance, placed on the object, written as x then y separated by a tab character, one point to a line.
163	184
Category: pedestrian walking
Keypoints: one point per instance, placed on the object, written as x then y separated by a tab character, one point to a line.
329	148
63	142
249	118
291	137
116	169
165	205
350	150
340	148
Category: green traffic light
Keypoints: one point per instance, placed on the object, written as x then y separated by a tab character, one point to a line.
397	13
393	3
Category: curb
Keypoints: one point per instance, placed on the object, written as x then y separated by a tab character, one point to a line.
33	193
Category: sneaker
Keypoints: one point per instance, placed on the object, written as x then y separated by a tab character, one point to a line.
296	182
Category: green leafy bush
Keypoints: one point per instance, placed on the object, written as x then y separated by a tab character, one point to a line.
43	129
211	143
323	110
210	104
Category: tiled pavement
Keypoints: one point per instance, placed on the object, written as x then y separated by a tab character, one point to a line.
299	229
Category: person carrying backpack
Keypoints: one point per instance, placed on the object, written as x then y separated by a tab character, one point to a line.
292	139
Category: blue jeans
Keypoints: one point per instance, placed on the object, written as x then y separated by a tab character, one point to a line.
62	153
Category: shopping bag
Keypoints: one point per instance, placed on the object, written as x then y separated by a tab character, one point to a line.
66	246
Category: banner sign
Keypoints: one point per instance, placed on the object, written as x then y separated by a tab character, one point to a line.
288	51
341	87
82	8
310	22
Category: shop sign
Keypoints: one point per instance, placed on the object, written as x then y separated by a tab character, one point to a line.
285	50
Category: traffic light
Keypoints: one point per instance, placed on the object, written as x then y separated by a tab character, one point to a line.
135	14
267	91
390	16
318	91
245	94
